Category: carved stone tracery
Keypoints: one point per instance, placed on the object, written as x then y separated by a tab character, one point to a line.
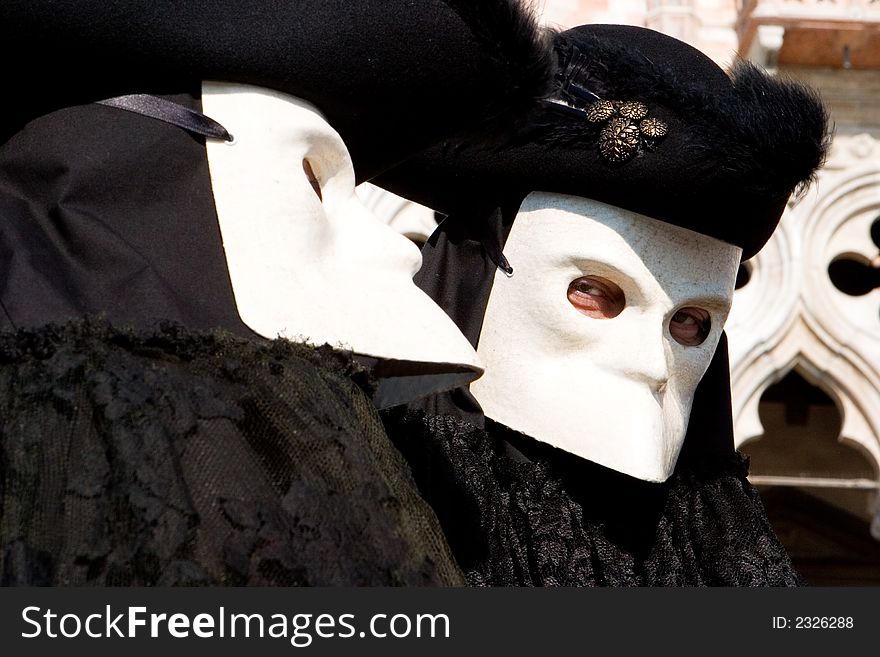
790	315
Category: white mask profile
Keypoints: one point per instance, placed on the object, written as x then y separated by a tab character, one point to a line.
617	388
307	261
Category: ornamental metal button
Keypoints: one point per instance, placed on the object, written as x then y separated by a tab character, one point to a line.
653	128
633	110
619	140
600	111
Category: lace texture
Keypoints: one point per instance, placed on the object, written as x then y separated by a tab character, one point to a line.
200	459
519	513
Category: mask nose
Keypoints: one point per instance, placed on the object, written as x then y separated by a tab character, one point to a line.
366	233
405	253
653	364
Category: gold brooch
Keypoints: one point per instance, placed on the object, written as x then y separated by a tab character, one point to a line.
627	129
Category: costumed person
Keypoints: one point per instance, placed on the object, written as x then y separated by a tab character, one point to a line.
591	259
177	191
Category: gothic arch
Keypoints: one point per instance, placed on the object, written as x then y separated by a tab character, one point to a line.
790	314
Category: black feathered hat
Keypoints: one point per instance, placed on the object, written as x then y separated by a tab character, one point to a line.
391	76
645	122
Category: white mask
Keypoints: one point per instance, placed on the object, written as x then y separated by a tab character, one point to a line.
615	390
318	269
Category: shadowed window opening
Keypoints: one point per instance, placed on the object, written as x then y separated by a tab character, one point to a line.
743	275
820	494
853	274
802	426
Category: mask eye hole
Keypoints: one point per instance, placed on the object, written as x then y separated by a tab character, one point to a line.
596	297
313	179
690	326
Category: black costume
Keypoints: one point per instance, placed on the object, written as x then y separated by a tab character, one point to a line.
721	157
164	442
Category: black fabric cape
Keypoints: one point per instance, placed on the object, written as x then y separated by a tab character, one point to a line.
108	212
180	458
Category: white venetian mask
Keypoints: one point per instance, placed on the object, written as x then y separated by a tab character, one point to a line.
307	261
598	340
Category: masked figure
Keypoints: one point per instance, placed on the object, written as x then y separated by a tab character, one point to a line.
591	259
176	192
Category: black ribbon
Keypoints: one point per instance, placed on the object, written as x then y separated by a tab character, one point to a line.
170	112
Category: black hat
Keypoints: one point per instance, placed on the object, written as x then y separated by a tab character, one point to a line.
645	122
391	76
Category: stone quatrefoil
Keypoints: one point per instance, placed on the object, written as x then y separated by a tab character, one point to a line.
854	277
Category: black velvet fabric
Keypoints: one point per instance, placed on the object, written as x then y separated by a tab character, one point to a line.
108	212
391	76
179	458
520	513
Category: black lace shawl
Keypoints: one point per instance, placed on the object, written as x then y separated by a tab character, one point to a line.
179	458
520	513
